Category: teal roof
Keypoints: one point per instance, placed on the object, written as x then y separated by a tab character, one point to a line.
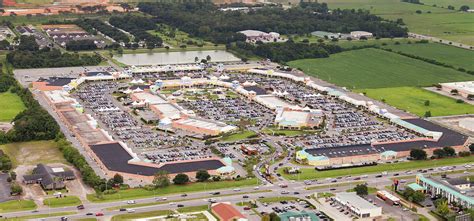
310	157
389	153
410	126
451	191
226	169
416	187
227	161
291	214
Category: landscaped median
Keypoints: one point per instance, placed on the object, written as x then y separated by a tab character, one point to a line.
311	173
137	193
17	205
130	206
130	216
62	201
39	216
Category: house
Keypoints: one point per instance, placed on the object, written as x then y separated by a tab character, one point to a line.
49	177
226	212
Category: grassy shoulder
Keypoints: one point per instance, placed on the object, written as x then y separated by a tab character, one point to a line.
132	216
375	68
17	205
34	152
40	216
137	193
191	209
291	133
413	100
62	202
310	173
11	105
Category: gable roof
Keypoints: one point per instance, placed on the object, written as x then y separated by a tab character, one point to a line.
226	212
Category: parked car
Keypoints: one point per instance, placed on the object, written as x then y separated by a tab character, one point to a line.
99	214
80	207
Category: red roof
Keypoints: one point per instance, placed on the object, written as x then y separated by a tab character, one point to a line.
226	212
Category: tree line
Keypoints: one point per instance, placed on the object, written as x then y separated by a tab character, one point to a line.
138	26
204	20
94	25
28	55
287	51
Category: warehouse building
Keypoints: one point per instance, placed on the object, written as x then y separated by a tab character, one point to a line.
357	205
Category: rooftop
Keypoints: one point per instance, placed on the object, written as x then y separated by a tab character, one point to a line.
354	200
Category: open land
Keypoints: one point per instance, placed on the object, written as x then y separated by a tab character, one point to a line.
32	153
413	100
440	22
374	68
11	105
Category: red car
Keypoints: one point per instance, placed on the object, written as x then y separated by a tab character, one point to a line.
246	208
99	214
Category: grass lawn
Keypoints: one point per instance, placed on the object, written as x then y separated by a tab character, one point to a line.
192	209
375	68
131	216
39	216
310	173
413	99
11	105
290	133
277	199
334	185
238	136
173	189
17	205
441	22
61	202
454	56
32	153
324	195
370	190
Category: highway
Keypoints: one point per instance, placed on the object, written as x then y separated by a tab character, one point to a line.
226	195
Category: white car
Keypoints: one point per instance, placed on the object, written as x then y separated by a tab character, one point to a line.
130	210
237	189
131	202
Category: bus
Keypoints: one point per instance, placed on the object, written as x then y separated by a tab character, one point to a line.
388	197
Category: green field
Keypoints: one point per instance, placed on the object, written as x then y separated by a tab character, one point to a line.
11	105
441	22
132	216
17	205
191	209
34	152
63	201
173	189
454	56
40	216
310	173
375	68
445	3
413	99
238	136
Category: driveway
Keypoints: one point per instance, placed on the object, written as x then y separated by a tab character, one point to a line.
4	188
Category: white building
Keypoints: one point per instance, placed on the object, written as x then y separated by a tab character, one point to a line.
254	35
359	34
357	205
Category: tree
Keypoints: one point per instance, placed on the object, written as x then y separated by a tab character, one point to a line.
16	189
180	179
202	175
361	190
464	8
208	58
439	153
274	217
471	147
118	179
13	175
428	114
449	151
454	92
418	154
427	103
470	96
443	208
413	196
161	179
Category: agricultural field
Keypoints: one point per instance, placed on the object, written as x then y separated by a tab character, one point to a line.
32	153
446	3
413	100
435	21
374	68
11	105
454	56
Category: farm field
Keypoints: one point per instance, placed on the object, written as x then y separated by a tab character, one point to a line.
413	99
457	57
440	22
11	105
374	68
445	3
32	153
